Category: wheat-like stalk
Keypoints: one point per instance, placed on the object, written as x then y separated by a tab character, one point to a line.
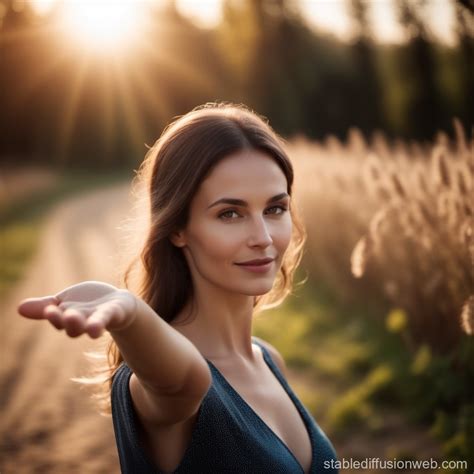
467	316
360	256
403	209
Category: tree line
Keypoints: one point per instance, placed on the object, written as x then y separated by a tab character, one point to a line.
60	106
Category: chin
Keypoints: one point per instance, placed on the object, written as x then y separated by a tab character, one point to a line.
259	290
252	288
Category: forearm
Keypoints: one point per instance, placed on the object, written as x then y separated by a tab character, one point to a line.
160	356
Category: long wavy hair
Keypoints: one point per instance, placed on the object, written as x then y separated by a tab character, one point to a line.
167	180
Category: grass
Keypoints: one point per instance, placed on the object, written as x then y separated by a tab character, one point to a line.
352	362
21	222
361	382
334	343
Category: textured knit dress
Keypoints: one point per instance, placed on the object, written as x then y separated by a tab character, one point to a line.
229	437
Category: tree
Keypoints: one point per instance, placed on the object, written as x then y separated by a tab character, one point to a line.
367	88
425	111
465	34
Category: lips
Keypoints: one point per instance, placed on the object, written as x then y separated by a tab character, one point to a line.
257	262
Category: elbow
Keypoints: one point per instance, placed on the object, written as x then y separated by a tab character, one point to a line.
198	379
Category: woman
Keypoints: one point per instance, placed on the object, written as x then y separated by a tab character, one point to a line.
191	390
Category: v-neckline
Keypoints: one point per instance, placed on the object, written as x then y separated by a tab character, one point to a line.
262	421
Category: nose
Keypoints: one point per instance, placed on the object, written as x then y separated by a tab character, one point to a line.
259	235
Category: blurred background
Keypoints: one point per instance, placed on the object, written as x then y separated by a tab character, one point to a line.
375	102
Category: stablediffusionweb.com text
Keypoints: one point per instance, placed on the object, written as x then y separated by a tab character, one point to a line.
395	464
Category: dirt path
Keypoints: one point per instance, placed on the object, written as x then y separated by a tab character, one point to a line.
49	425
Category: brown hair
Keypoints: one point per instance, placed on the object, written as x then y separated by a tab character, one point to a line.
170	175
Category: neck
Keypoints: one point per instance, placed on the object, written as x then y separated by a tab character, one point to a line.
220	326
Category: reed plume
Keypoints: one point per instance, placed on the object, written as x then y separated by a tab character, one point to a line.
402	210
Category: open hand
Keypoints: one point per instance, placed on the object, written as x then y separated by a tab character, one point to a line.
89	308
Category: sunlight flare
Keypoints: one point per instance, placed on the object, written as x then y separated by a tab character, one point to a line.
104	25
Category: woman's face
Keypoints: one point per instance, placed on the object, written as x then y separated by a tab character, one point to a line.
240	214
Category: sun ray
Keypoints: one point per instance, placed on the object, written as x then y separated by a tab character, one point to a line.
180	68
55	61
71	107
161	106
121	85
132	116
108	111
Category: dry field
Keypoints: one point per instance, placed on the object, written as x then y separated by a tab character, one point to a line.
394	221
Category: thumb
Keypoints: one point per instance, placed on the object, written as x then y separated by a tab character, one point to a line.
33	307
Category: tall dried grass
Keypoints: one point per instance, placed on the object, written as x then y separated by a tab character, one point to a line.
398	217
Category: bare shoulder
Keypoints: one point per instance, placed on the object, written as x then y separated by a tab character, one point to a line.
276	356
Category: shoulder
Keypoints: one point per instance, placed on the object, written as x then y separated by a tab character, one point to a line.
275	355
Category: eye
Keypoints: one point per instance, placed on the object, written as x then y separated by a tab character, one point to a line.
228	215
280	209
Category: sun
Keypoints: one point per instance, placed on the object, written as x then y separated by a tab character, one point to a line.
103	25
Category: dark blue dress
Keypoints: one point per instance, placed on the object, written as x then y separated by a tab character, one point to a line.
229	437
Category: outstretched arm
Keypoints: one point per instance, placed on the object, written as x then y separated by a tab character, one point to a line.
162	358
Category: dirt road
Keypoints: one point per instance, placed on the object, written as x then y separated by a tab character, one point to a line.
48	424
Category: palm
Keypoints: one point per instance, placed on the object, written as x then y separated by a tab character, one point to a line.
85	291
87	307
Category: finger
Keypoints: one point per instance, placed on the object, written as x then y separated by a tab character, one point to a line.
74	322
54	315
55	318
95	327
33	308
98	321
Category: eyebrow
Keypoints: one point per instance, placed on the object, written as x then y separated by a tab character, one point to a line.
240	202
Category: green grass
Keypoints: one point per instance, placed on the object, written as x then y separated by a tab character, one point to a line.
21	222
351	359
361	370
337	346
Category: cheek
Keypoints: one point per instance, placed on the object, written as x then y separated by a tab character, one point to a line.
282	235
215	242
